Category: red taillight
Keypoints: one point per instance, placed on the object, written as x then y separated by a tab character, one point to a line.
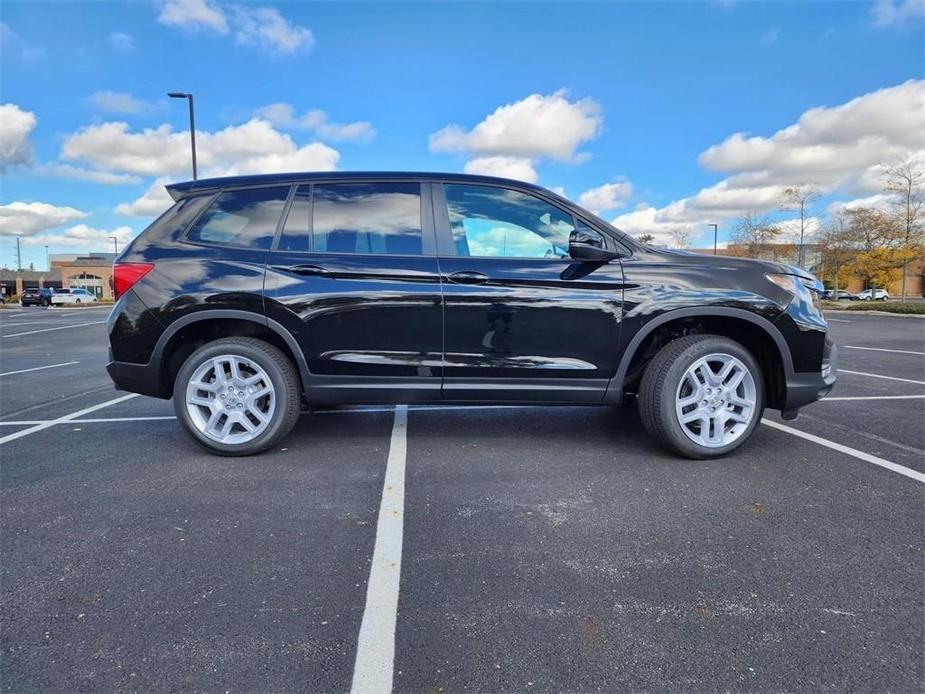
124	275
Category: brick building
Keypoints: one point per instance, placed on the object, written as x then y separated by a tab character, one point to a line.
92	271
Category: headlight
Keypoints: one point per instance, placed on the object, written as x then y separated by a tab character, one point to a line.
804	290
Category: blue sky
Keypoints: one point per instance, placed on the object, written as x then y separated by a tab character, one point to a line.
616	103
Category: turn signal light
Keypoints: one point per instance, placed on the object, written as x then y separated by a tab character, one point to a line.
124	276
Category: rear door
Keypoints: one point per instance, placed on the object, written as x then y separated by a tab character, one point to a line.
353	276
523	320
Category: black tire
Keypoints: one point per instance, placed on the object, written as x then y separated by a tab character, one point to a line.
659	388
282	374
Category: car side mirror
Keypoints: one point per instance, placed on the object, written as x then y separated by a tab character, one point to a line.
587	244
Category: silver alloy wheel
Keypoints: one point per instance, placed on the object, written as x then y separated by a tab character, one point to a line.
716	400
230	399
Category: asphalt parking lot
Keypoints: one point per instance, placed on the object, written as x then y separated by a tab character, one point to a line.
529	549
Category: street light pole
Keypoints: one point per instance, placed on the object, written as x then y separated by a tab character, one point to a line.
115	244
47	259
192	123
715	231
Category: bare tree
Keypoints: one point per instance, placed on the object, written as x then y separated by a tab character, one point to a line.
905	180
681	236
798	199
837	247
754	235
645	238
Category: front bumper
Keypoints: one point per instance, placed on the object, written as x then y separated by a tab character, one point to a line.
805	388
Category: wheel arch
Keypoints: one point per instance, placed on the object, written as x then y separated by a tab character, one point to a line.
188	332
755	332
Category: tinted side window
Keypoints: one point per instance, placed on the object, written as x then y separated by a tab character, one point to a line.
498	222
367	218
242	218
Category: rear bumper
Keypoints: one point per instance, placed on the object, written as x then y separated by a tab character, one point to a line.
135	378
805	388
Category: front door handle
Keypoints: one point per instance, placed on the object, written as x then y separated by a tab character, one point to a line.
468	277
307	270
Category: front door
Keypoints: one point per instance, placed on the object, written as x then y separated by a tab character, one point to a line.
354	277
523	321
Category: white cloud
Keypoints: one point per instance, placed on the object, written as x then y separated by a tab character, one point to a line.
15	126
318	121
279	114
609	196
879	201
512	139
29	218
828	146
84	238
263	27
838	149
770	36
790	229
193	14
721	201
283	115
537	126
152	202
518	168
121	42
14	46
895	13
645	219
120	102
253	147
81	174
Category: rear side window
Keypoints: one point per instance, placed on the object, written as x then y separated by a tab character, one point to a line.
241	218
381	218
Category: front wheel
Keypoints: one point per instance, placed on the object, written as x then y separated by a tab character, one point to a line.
702	396
237	396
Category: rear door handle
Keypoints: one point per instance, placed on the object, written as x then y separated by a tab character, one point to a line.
307	270
468	277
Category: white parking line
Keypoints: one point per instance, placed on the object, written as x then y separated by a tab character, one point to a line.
854	452
375	660
66	418
881	349
887	378
837	320
106	420
39	368
874	397
60	327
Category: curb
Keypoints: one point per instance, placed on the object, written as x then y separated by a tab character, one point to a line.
872	313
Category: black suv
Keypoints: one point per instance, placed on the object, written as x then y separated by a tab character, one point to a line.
255	295
36	297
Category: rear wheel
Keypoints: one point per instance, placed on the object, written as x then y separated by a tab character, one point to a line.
237	396
702	396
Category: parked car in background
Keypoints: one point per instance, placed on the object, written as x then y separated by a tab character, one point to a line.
877	295
254	294
839	295
77	295
35	296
